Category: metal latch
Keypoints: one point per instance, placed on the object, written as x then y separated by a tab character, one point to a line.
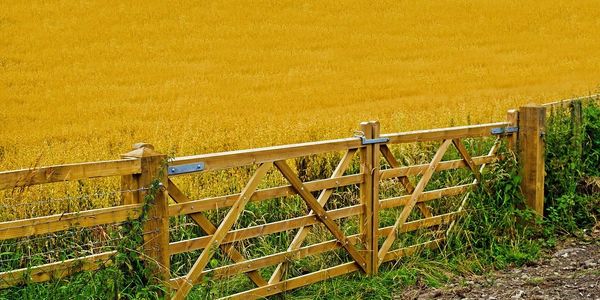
184	169
506	130
366	141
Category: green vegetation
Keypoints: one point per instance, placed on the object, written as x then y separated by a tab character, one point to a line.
495	232
573	158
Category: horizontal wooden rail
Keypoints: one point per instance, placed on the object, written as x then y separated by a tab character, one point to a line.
273	259
407	251
300	281
422	223
70	172
427	196
442	166
55	270
470	131
231	159
261	230
568	101
296	282
59	222
260	195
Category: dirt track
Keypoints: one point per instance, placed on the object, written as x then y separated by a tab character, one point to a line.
570	272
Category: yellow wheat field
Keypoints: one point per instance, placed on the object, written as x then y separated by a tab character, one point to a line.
83	80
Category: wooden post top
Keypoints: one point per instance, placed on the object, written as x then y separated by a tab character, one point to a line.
141	150
532	105
369	122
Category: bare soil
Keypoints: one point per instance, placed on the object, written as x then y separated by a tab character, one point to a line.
572	271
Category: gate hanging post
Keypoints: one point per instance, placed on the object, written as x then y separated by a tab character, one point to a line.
532	126
156	225
369	195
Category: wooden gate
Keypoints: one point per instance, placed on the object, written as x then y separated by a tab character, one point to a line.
364	250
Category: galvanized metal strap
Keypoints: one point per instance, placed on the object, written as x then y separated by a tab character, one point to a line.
185	169
366	141
505	130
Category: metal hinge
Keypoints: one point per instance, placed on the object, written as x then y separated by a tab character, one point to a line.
184	169
506	130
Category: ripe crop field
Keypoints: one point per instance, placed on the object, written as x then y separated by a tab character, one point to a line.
84	80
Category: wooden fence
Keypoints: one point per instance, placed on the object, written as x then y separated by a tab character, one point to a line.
366	250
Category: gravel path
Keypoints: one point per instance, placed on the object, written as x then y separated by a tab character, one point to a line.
570	272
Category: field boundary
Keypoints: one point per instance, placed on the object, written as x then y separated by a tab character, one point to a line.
144	168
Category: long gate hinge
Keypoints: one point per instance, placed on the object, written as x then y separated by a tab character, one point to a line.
505	130
184	169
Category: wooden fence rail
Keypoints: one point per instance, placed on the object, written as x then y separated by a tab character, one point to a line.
366	250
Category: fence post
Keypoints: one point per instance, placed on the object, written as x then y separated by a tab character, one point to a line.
374	230
512	117
369	195
577	126
532	126
156	226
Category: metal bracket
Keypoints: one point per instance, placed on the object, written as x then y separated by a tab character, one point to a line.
507	130
366	141
184	169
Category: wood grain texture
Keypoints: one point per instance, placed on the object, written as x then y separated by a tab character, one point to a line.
55	270
532	122
156	225
69	172
59	222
